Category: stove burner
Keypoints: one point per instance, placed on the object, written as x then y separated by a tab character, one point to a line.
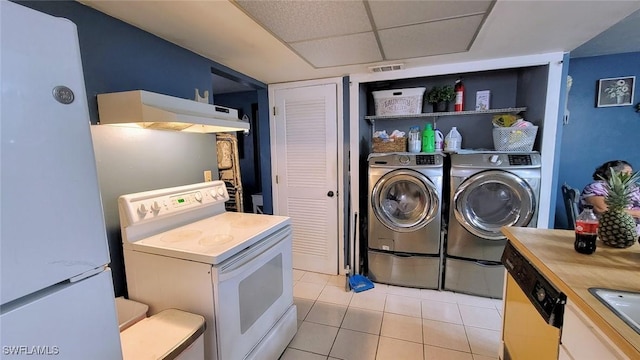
181	235
218	239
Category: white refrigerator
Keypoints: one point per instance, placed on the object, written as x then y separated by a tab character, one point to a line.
56	289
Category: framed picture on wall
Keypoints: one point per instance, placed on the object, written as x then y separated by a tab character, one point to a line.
616	91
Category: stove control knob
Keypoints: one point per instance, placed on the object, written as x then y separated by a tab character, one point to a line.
541	294
220	191
198	196
213	193
142	210
155	207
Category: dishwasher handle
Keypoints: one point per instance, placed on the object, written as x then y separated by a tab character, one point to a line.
557	313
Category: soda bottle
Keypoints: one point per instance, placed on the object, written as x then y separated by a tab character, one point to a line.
586	231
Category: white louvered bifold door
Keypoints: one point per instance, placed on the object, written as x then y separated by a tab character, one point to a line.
306	164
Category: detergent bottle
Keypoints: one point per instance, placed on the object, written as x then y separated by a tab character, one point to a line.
453	140
439	140
428	139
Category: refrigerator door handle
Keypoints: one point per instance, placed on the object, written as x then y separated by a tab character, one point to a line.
87	274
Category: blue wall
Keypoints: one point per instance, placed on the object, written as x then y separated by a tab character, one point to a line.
595	135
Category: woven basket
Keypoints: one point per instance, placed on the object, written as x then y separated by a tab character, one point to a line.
389	145
514	138
398	102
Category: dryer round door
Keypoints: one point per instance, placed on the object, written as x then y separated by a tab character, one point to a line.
404	200
491	199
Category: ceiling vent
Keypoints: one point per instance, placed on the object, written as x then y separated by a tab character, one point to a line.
382	68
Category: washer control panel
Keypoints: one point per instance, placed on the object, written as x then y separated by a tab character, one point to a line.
426	160
435	160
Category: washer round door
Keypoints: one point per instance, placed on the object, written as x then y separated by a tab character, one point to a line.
491	199
404	200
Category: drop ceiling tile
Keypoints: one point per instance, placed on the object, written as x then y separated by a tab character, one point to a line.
388	14
428	39
338	51
294	21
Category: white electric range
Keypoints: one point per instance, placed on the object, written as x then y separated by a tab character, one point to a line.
183	250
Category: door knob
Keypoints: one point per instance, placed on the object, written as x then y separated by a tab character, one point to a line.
330	194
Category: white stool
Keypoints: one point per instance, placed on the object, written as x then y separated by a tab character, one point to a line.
169	334
256	199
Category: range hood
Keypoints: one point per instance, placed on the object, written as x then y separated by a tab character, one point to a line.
148	110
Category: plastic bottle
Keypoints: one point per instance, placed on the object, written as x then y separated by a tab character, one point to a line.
453	140
459	90
414	139
428	139
439	140
586	231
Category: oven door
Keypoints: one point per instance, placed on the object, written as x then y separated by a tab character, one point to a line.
252	291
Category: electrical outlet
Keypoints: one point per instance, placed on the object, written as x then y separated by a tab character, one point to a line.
207	175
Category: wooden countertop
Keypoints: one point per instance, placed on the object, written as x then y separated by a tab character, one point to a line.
551	251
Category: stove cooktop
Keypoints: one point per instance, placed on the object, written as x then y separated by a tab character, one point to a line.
214	239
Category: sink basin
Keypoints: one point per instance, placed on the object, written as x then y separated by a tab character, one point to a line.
623	303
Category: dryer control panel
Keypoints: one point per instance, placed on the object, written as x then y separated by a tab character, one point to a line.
491	160
520	160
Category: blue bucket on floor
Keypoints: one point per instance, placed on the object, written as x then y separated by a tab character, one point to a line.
360	283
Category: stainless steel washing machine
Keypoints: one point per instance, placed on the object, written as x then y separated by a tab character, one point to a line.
404	214
488	191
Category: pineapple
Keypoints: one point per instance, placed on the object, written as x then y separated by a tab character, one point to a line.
617	228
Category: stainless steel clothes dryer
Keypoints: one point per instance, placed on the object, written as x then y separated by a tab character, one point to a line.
404	213
488	191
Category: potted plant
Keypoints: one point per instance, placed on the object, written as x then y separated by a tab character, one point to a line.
440	96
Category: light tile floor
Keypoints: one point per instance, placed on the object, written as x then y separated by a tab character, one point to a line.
390	322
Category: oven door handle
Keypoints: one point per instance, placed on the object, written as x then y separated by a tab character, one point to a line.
228	267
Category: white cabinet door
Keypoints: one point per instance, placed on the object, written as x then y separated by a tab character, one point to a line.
305	159
562	354
582	340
